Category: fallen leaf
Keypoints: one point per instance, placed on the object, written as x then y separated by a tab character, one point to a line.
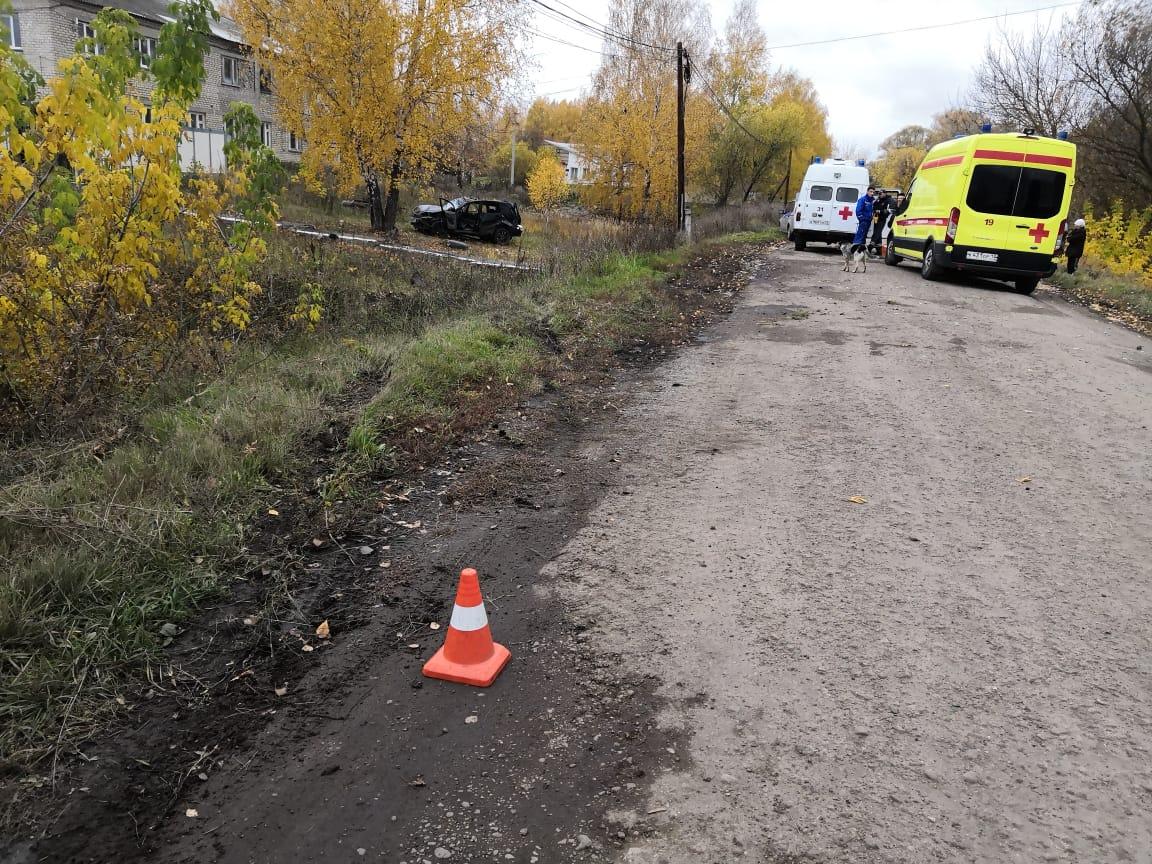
250	621
307	648
272	512
413	644
471	718
858	499
1023	479
366	550
282	691
317	542
384	565
169	629
191	813
434	626
418	780
323	631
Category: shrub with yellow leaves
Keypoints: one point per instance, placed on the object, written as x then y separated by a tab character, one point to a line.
1120	241
547	185
111	269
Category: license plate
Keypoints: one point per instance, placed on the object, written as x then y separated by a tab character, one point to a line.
983	256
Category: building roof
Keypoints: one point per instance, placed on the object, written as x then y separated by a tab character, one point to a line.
157	12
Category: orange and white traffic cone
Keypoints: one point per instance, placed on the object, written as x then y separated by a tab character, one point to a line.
469	656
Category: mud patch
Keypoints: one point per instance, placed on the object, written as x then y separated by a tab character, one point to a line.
771	310
802	335
1038	309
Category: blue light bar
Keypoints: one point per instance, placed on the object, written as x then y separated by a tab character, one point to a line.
986	127
1062	134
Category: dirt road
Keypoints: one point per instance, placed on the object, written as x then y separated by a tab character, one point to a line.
862	577
956	668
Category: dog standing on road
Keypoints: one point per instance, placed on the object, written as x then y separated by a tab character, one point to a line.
854	254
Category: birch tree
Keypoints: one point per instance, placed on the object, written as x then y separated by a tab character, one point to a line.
380	88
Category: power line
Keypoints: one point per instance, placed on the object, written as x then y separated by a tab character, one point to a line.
604	38
920	28
601	30
576	11
560	41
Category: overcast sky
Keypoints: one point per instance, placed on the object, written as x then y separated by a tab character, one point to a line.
871	87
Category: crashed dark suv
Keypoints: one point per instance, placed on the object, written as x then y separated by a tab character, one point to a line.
498	221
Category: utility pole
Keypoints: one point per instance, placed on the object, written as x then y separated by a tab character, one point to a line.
788	179
512	170
680	136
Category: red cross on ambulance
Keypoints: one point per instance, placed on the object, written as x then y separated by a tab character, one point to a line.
844	213
1039	233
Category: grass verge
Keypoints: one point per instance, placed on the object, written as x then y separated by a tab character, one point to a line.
107	545
1125	297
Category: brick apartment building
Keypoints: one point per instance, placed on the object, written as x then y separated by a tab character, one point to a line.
45	31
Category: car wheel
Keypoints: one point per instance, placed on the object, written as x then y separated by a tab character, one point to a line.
890	256
800	245
929	268
501	235
1026	286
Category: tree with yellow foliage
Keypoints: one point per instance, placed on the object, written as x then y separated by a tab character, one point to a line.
549	120
547	185
108	268
754	117
628	130
379	88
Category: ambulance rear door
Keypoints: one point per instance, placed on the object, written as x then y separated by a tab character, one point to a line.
844	216
1019	198
819	206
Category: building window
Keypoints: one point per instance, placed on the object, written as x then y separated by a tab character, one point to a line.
197	120
84	31
12	28
265	80
231	75
266	134
295	142
145	50
147	113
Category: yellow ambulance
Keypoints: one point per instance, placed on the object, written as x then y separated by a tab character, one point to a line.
994	205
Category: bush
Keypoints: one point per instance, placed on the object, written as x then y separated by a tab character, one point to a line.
112	270
1121	242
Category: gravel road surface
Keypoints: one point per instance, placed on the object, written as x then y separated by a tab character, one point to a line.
886	544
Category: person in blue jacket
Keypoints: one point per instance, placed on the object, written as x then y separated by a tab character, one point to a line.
864	210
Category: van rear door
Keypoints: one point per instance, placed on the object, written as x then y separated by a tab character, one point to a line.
1017	198
1039	202
820	206
844	217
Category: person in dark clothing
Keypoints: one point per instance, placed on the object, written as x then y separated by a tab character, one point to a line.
865	207
1075	248
883	207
